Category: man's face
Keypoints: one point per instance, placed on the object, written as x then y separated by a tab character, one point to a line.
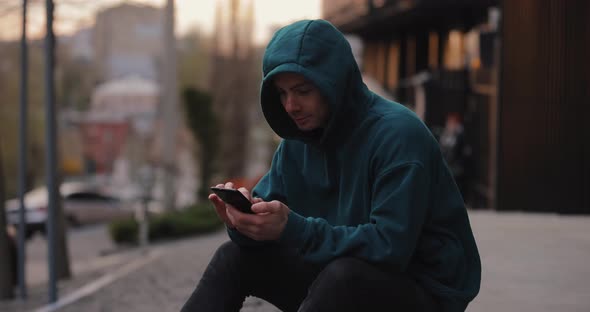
302	100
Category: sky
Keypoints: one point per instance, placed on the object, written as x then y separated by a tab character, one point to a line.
71	15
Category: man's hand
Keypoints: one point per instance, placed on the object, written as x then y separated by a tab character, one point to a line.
220	205
266	224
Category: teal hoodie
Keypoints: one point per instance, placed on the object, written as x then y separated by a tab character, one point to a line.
373	184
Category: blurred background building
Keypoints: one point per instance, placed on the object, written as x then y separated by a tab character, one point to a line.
127	40
117	107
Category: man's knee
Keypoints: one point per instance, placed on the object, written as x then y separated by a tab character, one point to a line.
353	275
350	284
228	248
335	288
227	253
224	264
343	270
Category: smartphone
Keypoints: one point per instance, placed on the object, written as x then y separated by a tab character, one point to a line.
234	198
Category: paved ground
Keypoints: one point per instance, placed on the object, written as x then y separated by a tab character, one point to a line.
165	283
92	254
87	247
531	262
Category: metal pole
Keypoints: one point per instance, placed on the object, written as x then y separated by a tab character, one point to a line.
51	154
170	102
22	167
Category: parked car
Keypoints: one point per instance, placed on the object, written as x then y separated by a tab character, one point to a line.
82	204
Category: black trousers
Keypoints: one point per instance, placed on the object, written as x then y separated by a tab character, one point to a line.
280	277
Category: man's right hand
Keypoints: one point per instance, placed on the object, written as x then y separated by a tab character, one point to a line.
221	207
219	204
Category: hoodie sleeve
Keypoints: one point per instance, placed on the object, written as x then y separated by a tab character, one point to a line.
269	188
399	201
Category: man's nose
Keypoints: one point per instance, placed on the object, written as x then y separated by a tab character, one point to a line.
291	104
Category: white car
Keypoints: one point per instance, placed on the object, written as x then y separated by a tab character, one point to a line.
82	204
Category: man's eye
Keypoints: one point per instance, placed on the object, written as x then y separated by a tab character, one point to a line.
303	91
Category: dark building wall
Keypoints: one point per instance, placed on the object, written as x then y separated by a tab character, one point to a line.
407	40
544	159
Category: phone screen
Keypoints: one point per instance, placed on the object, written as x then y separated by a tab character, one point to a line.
234	198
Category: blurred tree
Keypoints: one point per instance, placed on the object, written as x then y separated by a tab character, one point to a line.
9	93
7	270
204	126
193	60
75	80
232	83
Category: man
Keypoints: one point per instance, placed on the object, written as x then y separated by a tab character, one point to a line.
358	211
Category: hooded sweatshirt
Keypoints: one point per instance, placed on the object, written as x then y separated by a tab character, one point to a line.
372	184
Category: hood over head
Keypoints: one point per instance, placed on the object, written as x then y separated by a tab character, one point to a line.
321	53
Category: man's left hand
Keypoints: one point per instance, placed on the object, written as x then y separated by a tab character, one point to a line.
266	224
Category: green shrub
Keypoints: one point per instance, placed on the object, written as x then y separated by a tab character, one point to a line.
169	225
124	231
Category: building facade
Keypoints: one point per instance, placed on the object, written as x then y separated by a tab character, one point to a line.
128	40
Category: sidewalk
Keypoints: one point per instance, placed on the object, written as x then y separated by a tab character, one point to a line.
531	262
165	283
92	255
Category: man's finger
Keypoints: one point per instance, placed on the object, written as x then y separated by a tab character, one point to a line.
245	192
275	206
255	200
215	200
230	215
266	207
241	218
219	205
229	185
260	207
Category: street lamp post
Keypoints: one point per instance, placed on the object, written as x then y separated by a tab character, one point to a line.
22	164
51	153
